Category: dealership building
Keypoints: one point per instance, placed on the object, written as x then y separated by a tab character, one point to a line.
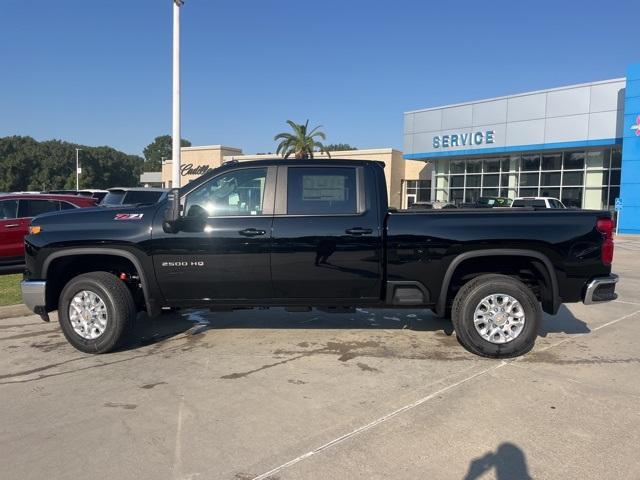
579	143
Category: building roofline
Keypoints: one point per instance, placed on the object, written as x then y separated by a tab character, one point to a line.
210	147
524	94
335	153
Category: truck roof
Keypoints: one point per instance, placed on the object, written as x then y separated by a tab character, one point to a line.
268	162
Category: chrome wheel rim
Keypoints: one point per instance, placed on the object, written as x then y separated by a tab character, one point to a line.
499	318
88	314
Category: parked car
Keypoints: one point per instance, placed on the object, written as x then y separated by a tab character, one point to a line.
132	196
430	205
97	194
17	210
537	202
493	202
324	237
488	202
62	192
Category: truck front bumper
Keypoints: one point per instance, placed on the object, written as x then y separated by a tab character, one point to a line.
33	295
601	289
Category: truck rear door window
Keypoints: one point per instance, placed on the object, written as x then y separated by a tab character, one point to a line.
321	191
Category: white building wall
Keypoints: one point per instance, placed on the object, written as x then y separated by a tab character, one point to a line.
578	113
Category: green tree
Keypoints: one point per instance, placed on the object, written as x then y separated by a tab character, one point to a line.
302	142
160	148
26	164
335	147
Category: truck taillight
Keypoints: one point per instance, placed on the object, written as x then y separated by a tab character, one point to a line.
605	227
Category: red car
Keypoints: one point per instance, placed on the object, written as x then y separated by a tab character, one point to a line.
16	212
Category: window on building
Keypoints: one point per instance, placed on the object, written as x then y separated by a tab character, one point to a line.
616	158
456	195
572	197
474	166
530	163
490	181
552	161
590	177
550	192
457	181
471	195
473	181
550	178
574	160
614	179
529	179
419	189
528	192
572	178
457	166
492	165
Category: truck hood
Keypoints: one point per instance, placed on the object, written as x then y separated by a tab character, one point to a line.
93	214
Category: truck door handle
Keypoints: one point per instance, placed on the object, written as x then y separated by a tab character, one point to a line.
358	231
251	232
12	225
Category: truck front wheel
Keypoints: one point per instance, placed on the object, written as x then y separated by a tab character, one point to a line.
496	316
96	311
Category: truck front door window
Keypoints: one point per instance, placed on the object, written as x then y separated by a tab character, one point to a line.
236	193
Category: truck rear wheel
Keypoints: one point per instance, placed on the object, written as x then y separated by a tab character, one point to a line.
496	316
96	310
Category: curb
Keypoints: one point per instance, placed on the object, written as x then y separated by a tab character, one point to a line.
11	311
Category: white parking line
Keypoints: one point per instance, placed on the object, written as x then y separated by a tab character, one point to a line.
628	303
376	422
415	404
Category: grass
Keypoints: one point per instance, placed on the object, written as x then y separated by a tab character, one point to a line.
10	289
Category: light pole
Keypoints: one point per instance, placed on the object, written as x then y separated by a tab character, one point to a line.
77	169
175	147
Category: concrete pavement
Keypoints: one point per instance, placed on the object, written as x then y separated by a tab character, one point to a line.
376	394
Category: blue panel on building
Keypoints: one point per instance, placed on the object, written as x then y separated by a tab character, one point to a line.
632	88
630	183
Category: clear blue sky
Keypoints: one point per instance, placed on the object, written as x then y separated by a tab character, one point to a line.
98	72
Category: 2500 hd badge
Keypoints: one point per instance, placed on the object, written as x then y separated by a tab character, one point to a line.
183	264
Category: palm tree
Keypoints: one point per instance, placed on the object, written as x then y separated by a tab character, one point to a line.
302	142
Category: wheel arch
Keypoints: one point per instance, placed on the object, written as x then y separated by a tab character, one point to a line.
541	263
113	252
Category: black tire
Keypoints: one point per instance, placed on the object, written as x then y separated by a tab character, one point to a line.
121	311
469	297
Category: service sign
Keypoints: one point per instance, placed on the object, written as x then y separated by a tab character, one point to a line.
468	139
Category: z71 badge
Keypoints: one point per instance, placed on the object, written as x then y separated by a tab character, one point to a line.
128	216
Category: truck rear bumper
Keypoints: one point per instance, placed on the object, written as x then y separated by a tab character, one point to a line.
33	294
601	289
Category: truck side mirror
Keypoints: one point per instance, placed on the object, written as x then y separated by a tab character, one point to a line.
172	213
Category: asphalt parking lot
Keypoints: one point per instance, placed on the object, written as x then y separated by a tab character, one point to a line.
375	394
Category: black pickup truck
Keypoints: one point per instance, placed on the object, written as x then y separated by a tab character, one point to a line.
302	234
